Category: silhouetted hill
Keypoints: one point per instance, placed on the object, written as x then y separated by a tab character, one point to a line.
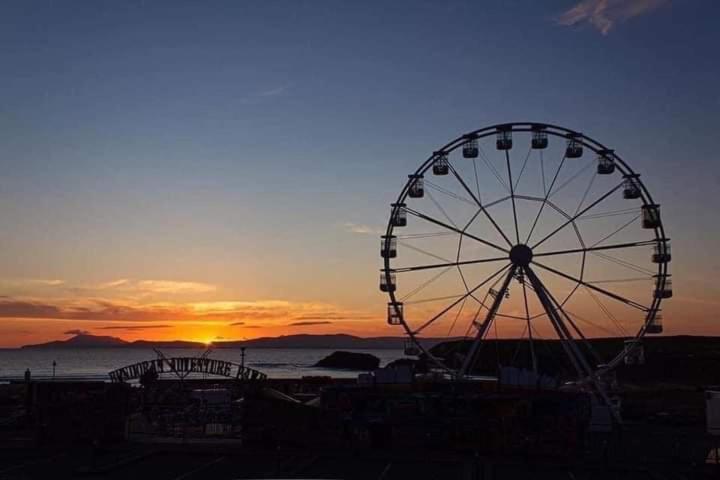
682	359
98	341
82	341
336	341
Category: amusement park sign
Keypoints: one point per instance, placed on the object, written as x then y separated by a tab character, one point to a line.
183	366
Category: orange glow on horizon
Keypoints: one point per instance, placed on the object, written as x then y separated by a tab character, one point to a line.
211	322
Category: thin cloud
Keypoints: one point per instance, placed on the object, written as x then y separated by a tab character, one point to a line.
307	324
603	15
76	332
168	286
332	316
31	282
142	288
264	95
361	229
112	284
267	312
133	327
273	92
28	309
236	324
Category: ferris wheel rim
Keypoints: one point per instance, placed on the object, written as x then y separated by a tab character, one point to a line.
557	131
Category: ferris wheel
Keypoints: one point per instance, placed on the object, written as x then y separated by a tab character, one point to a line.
525	231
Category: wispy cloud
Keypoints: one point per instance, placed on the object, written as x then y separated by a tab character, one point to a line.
30	283
361	229
235	313
76	332
307	324
335	316
603	15
121	286
262	95
128	286
132	328
236	324
169	286
112	284
273	92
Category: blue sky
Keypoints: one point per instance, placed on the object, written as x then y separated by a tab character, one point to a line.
207	141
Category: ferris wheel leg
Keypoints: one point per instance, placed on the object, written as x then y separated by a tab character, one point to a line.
585	372
469	359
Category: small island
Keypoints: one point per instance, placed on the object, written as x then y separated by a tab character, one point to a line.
349	361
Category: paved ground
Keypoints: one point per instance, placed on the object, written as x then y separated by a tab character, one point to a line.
183	463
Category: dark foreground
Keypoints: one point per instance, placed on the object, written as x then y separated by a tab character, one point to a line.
643	453
396	428
663	438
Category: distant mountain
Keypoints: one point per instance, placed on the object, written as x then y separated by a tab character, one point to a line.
336	341
82	341
98	341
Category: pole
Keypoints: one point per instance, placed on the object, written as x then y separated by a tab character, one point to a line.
242	357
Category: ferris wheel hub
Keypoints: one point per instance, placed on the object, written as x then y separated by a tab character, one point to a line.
521	255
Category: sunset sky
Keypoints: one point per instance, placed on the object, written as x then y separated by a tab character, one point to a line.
223	169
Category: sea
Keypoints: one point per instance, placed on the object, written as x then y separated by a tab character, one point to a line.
95	363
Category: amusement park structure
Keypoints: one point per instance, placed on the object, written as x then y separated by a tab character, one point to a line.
527	231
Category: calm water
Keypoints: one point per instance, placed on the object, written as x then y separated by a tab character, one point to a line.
95	363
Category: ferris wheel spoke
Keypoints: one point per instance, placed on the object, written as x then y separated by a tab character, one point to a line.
424	252
598	326
424	285
477	180
512	195
545	199
443	265
612	213
591	286
492	168
480	205
522	170
608	314
499	296
574	217
612	234
587	191
499	200
441	209
623	263
571	179
460	299
449	193
615	246
454	229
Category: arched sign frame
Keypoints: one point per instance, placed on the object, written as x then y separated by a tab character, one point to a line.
184	366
